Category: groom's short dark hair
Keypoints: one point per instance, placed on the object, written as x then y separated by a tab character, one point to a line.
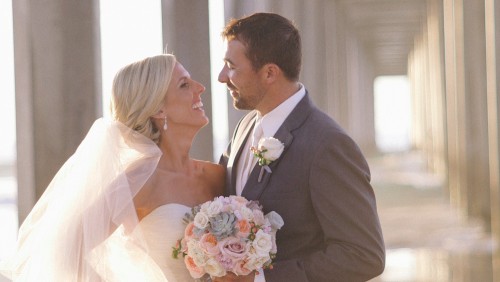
268	38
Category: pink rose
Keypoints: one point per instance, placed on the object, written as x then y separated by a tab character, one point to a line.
194	270
233	248
239	199
226	262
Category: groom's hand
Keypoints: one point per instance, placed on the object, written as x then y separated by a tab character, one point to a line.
231	277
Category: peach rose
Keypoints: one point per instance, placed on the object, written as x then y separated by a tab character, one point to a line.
240	269
208	242
194	270
243	228
188	232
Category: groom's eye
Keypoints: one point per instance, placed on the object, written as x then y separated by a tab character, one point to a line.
229	65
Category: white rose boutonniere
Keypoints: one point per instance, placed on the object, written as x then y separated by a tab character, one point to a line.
268	150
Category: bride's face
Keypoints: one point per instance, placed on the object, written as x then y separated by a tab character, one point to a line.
183	104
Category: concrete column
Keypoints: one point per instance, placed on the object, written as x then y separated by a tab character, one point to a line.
360	94
455	102
436	85
466	96
477	154
428	136
312	30
418	75
426	77
58	87
338	77
492	16
336	67
186	35
417	99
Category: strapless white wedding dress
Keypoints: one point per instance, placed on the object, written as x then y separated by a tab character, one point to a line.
161	230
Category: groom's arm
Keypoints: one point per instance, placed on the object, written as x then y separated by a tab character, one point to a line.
344	203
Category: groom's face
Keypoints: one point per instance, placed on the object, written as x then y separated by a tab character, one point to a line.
243	82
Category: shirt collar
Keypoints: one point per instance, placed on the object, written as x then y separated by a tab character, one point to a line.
273	120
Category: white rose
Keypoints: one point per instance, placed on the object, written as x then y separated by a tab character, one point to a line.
196	252
258	217
201	220
211	208
275	220
246	213
256	261
273	146
262	243
204	206
214	268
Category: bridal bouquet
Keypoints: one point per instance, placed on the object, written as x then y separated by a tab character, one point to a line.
228	234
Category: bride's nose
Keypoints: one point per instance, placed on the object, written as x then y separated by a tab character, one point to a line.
201	88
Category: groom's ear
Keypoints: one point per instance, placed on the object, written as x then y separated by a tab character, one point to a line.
271	72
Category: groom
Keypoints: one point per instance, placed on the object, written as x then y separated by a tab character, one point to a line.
320	183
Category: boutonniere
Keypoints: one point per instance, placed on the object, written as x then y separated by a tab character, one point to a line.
268	150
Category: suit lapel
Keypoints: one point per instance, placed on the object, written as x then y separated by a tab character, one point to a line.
238	144
253	189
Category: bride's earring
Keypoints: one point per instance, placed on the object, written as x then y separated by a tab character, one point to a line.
165	123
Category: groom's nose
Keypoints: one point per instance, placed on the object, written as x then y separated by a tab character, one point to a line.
223	75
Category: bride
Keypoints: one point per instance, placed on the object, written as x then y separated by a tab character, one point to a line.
114	210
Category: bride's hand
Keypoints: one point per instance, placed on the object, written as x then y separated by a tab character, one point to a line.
231	277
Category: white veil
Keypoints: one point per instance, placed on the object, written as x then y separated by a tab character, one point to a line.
83	228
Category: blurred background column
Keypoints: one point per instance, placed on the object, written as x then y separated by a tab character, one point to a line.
468	153
186	35
477	153
492	28
58	87
427	79
455	102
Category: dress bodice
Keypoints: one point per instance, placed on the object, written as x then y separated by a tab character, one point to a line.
161	230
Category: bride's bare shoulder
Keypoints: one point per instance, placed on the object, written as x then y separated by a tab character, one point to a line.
211	167
214	174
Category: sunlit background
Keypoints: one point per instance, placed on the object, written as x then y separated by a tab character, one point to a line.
392	113
8	186
123	41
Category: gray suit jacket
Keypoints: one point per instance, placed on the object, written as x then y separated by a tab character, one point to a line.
320	185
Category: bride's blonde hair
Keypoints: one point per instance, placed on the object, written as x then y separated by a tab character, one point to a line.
139	91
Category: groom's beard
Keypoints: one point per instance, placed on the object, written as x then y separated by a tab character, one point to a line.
246	101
